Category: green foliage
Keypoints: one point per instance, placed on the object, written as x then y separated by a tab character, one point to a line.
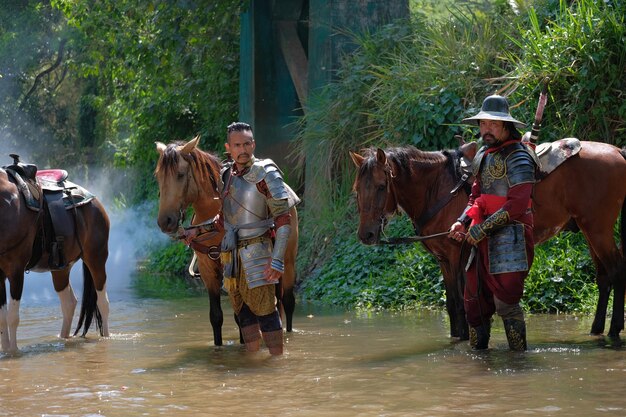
161	274
562	277
171	259
166	70
162	286
37	95
373	277
582	49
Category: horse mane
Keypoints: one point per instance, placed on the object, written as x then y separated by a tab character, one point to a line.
206	165
404	157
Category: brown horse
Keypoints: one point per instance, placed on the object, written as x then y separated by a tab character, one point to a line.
188	176
587	192
20	247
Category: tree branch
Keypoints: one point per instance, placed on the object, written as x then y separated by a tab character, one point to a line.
44	72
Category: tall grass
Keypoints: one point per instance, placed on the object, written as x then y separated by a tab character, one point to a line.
582	49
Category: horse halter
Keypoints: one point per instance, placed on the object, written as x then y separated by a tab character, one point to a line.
390	205
182	211
391	191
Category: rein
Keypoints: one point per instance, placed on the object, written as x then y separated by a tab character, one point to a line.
410	239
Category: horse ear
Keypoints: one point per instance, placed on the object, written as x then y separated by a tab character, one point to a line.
160	147
381	157
357	159
190	146
469	150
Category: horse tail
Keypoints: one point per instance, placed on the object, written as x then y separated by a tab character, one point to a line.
89	305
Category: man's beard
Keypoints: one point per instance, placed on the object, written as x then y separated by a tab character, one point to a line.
490	139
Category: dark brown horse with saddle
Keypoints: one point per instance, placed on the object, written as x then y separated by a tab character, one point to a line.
47	223
587	191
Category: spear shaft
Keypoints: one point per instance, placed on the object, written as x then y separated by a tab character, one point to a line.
543	99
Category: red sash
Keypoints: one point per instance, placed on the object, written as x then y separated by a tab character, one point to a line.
484	206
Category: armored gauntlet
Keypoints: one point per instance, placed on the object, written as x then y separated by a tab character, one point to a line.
495	221
280	246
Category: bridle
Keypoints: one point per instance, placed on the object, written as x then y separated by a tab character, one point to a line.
425	217
390	205
196	243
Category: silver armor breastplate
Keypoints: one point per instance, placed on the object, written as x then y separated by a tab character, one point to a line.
244	204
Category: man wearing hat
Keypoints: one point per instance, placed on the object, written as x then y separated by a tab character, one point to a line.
498	223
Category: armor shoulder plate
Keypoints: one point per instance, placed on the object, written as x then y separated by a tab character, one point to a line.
225	167
266	169
259	170
478	160
520	167
224	174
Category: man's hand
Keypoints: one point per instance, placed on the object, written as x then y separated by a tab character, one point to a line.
272	275
457	232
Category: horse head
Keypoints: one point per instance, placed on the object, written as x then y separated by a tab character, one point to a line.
177	187
376	200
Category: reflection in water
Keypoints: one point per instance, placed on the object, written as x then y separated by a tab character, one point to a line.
160	360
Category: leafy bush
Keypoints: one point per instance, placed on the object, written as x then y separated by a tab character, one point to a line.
562	277
374	277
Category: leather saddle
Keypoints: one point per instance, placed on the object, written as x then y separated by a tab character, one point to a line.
49	193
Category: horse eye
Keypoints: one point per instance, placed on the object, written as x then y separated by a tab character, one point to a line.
181	175
382	187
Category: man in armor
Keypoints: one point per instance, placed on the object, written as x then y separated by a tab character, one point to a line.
256	215
498	223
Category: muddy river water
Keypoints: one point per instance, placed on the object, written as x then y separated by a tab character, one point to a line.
160	361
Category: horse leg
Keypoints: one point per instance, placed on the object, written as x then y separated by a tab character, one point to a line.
610	257
453	281
4	327
604	292
289	305
216	316
617	319
288	280
211	274
459	307
16	285
104	307
63	288
13	320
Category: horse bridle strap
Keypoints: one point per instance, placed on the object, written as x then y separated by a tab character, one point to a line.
212	251
430	213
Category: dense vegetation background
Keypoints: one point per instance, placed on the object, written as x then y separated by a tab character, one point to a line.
94	84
